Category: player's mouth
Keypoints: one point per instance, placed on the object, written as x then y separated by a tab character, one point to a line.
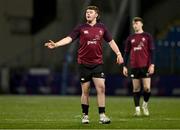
88	17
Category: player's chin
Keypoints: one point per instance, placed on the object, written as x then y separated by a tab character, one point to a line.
89	20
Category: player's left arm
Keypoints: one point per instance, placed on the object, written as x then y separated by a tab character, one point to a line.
151	68
116	50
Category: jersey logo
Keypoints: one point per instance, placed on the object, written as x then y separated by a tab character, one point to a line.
143	39
139	47
91	42
101	32
86	32
133	40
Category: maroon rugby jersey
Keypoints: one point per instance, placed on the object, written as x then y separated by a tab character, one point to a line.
90	42
139	46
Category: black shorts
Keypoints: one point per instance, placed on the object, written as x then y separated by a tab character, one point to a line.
87	72
137	73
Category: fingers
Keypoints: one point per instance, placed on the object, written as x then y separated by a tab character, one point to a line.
46	44
122	61
125	71
151	70
50	44
119	60
51	41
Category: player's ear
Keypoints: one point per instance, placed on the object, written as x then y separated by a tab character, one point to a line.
97	15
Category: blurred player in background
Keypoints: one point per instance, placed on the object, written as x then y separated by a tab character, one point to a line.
90	60
139	46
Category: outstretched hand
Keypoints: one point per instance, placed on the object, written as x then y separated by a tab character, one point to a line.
50	44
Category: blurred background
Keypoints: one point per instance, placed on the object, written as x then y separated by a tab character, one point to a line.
27	67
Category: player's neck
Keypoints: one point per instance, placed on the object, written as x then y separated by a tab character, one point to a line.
92	23
139	31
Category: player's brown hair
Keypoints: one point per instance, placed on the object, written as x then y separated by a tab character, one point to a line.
135	19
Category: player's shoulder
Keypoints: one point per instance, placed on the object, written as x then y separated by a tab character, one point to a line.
100	24
81	25
147	34
131	36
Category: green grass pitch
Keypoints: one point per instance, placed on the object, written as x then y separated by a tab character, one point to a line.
58	112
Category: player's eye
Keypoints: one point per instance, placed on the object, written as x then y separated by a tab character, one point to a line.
91	12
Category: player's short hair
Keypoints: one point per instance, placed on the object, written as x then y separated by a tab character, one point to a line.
135	19
96	9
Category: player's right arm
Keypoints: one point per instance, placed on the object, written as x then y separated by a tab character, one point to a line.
125	69
51	44
126	56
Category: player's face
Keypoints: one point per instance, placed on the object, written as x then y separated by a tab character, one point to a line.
91	15
137	26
